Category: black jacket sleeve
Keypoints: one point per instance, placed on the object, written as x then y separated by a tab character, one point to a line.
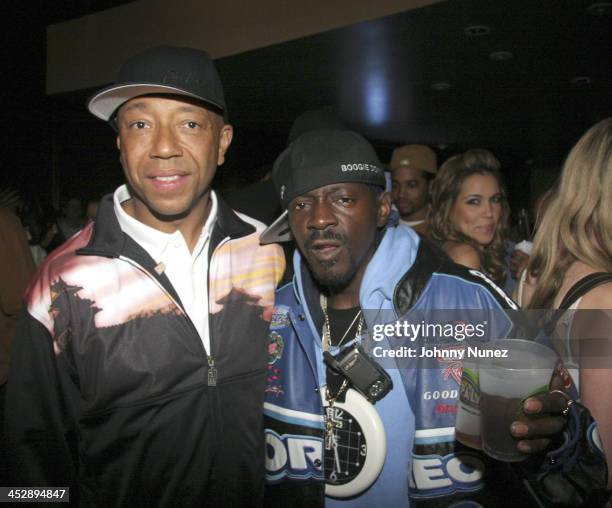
40	419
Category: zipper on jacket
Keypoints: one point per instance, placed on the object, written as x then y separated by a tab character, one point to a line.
167	293
212	372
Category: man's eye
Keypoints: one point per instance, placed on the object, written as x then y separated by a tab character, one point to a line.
345	200
138	124
192	125
300	205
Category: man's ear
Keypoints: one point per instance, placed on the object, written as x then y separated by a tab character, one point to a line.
120	152
225	139
384	209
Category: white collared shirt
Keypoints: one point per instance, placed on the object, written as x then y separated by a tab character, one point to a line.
187	271
412	223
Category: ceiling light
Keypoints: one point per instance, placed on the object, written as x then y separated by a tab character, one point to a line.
580	81
476	30
600	9
501	56
439	86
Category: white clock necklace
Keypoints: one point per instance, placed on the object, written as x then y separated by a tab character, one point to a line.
355	439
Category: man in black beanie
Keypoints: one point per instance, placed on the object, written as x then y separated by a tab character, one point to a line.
361	413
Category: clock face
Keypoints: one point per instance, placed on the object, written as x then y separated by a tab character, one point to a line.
345	447
355	445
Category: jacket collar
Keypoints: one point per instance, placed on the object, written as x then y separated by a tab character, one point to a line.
229	223
308	294
109	240
395	256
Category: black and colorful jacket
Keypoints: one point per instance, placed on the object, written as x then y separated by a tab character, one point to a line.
111	392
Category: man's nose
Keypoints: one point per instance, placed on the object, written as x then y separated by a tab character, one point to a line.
165	143
321	216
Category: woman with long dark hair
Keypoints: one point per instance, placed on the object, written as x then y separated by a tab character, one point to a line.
469	212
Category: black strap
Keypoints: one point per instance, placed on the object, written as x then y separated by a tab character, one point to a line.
583	286
579	289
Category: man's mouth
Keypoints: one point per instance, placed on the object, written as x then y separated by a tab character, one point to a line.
166	182
403	204
324	246
324	250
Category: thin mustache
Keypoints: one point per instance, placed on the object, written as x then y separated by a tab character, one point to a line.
323	235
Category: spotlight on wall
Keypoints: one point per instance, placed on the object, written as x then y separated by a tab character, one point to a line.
477	30
440	86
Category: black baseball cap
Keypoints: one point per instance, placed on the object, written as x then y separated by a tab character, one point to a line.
162	70
318	158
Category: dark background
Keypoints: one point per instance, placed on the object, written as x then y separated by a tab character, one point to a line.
377	76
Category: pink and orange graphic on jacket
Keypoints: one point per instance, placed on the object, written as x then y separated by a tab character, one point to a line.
118	290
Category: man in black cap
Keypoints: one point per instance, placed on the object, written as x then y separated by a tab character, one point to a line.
359	412
138	371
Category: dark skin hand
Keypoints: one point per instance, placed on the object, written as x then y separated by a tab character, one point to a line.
543	420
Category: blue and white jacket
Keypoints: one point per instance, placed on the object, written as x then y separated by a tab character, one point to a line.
408	280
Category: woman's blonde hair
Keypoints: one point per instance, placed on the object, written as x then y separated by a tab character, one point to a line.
578	222
445	190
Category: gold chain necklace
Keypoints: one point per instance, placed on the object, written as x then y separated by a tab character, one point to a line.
326	339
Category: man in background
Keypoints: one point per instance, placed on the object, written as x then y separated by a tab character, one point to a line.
413	167
16	270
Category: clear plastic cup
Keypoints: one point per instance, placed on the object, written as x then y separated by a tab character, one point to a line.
505	383
467	424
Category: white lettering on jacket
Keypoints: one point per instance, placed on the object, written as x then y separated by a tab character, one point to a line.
293	456
434	475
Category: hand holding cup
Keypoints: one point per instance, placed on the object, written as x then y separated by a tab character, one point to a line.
515	403
544	418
